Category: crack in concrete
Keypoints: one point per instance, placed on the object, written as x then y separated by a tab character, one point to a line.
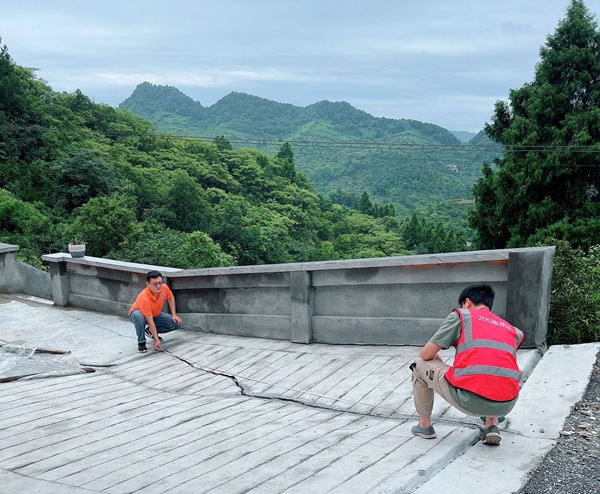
403	417
245	392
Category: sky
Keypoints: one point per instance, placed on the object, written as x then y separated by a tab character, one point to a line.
436	61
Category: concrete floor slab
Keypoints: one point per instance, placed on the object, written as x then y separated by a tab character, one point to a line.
226	414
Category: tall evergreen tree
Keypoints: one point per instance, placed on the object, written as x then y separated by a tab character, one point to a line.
286	159
412	232
364	204
547	183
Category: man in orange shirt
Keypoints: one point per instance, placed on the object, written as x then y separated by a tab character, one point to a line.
146	312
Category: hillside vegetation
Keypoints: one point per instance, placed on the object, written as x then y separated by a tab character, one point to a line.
71	170
413	165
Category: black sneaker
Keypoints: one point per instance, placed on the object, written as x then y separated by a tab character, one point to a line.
142	347
149	334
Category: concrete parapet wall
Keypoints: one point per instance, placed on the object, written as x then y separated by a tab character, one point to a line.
18	277
386	301
98	284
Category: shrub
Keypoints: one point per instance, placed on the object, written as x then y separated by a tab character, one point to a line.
575	300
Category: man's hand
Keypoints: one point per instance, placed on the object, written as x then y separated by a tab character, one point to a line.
177	319
157	346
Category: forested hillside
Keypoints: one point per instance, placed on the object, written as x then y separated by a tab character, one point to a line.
242	190
71	170
413	165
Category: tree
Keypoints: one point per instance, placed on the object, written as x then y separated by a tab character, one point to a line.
364	204
82	175
286	152
187	207
360	235
22	136
166	247
200	251
348	199
548	181
412	232
286	158
21	223
222	143
105	222
16	215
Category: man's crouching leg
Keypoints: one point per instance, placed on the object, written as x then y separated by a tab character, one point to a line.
428	378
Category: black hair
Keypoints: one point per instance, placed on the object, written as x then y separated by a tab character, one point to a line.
153	274
479	293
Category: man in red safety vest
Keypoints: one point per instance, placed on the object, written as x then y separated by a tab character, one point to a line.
484	379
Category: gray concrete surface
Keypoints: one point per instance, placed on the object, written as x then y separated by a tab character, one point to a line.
227	414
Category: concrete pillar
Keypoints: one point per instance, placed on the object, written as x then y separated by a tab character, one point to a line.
302	306
528	293
60	283
11	280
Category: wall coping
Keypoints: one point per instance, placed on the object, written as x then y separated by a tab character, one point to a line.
5	248
101	262
377	262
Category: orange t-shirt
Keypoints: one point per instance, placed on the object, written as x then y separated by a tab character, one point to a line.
148	305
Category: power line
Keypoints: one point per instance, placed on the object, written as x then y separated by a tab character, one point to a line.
350	145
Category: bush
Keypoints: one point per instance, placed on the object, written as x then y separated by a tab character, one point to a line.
103	223
575	300
165	247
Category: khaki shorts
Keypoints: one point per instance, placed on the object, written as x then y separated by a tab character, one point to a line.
429	377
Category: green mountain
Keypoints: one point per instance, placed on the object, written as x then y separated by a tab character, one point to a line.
413	165
462	135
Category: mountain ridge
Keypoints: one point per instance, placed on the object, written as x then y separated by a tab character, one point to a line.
405	162
177	102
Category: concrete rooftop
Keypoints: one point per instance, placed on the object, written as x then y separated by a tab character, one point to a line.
225	414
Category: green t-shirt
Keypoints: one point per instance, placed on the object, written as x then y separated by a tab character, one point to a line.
448	336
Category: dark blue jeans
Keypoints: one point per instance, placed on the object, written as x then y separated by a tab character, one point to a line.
163	323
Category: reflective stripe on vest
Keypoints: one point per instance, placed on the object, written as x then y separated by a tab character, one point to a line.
470	343
488	370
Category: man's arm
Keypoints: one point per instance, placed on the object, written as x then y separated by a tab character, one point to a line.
152	328
447	335
174	315
430	351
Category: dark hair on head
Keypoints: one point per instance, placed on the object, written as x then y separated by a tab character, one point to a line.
153	274
479	293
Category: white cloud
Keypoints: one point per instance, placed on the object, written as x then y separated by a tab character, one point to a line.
200	78
431	60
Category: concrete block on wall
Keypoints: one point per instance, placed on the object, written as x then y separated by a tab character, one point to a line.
528	293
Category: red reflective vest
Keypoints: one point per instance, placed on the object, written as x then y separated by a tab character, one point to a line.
486	356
